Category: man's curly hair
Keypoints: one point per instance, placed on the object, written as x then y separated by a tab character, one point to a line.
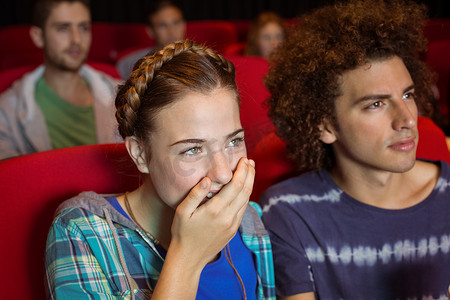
304	78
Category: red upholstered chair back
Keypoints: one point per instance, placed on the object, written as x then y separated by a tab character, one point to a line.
235	49
272	165
17	48
250	72
109	39
438	59
215	34
437	29
32	187
7	77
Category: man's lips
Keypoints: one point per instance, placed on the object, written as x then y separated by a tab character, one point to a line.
405	144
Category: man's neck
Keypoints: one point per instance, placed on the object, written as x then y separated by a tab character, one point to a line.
68	85
386	189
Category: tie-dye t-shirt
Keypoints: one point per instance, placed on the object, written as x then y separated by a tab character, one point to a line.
327	242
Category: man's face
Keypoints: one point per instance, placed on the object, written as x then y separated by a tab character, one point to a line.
167	26
376	118
66	37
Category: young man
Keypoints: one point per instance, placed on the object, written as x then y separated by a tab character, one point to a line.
64	102
165	25
367	221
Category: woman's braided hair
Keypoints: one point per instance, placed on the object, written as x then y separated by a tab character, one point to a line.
166	76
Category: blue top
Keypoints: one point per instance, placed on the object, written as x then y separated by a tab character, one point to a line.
113	201
218	280
328	242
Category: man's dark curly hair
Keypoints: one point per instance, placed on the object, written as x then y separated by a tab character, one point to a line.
304	78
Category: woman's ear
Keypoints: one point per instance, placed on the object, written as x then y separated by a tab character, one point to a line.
150	32
327	132
137	154
37	36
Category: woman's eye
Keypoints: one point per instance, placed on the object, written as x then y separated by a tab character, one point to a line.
192	151
236	142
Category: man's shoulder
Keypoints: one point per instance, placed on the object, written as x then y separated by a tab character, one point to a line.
16	91
308	186
310	179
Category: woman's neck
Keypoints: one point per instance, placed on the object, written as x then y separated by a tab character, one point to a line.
151	213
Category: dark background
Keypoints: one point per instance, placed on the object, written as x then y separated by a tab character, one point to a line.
134	11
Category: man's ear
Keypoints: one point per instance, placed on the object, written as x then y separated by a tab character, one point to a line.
37	36
327	132
137	154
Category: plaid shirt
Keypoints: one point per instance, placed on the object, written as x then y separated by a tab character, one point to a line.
82	258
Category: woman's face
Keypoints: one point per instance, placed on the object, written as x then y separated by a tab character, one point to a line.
269	38
198	135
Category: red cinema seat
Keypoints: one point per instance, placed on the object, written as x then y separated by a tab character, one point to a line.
437	29
242	27
273	166
250	72
17	48
109	39
33	186
438	59
215	34
235	49
7	77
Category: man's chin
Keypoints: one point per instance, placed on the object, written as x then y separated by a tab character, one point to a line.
66	64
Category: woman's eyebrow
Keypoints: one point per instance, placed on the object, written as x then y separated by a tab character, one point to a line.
200	141
234	133
188	141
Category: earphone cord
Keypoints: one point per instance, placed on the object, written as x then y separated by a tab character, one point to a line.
228	256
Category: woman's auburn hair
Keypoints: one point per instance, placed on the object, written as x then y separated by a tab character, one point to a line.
165	77
305	72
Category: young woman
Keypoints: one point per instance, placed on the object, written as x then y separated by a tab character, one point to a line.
175	236
266	33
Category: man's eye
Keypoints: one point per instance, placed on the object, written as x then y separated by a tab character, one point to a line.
409	96
62	28
375	105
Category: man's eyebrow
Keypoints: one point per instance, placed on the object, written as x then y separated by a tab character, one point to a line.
381	96
411	87
68	23
200	141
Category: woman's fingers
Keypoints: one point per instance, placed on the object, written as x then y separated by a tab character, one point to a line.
196	195
237	192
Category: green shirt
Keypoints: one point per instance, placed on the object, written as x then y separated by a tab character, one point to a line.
68	125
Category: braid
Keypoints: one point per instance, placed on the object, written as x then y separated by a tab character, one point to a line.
128	100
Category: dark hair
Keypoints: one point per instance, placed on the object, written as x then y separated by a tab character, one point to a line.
160	5
43	8
164	77
304	79
262	20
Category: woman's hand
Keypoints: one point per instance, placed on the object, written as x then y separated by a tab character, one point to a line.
201	231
